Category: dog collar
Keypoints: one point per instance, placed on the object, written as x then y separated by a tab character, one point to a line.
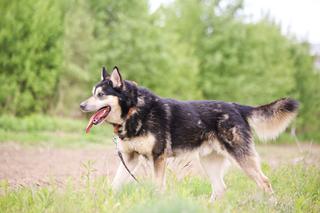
116	127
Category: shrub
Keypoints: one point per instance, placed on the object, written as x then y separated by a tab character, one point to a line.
30	55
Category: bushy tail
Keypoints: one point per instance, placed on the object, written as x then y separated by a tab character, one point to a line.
269	120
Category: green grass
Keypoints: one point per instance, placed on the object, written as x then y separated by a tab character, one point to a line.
297	187
56	131
297	190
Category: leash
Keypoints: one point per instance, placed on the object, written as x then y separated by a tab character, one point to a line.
115	140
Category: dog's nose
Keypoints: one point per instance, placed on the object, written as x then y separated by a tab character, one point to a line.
82	105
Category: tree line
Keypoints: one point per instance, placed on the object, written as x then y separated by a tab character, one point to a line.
51	53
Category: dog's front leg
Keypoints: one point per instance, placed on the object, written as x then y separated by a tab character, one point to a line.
122	176
159	164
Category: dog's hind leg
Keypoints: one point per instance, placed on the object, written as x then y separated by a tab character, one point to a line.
246	156
250	164
235	137
122	175
215	165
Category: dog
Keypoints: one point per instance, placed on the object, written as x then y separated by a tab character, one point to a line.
158	128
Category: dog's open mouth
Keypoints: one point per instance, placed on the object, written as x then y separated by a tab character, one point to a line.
98	117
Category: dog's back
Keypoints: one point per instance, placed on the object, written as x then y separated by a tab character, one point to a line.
192	122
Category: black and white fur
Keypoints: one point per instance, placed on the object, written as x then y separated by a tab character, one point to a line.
158	128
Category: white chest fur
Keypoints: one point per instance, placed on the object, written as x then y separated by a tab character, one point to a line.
142	144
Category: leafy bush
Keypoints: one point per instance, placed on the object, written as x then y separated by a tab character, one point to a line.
30	55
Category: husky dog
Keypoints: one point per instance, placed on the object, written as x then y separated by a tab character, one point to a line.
158	128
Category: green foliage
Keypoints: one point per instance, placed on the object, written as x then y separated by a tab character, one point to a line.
307	89
77	53
250	63
133	40
51	53
296	187
30	55
242	57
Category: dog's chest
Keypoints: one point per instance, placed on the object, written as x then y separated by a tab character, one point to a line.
142	144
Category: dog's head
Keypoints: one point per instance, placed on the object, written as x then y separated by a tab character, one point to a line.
114	93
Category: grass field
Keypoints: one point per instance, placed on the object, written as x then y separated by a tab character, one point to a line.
296	185
297	190
53	131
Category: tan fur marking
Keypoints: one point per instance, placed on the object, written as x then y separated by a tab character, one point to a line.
115	113
142	144
210	146
270	127
251	166
159	171
134	83
132	111
236	137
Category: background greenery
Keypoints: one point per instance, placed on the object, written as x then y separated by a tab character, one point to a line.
51	53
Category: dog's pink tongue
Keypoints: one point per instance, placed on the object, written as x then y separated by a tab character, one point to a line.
90	124
97	117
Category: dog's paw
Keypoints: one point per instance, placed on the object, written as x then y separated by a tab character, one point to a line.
212	199
273	200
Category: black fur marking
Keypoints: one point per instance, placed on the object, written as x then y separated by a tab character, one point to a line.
290	105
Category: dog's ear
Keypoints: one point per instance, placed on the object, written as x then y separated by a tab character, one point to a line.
116	78
104	74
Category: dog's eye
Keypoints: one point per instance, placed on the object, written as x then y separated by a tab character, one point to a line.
100	94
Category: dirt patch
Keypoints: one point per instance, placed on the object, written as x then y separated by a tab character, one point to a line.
277	155
24	166
21	165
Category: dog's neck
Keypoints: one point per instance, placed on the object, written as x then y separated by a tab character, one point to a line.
116	127
134	119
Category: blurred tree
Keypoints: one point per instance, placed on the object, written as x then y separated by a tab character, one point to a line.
235	58
77	54
307	88
250	63
30	55
136	42
247	63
